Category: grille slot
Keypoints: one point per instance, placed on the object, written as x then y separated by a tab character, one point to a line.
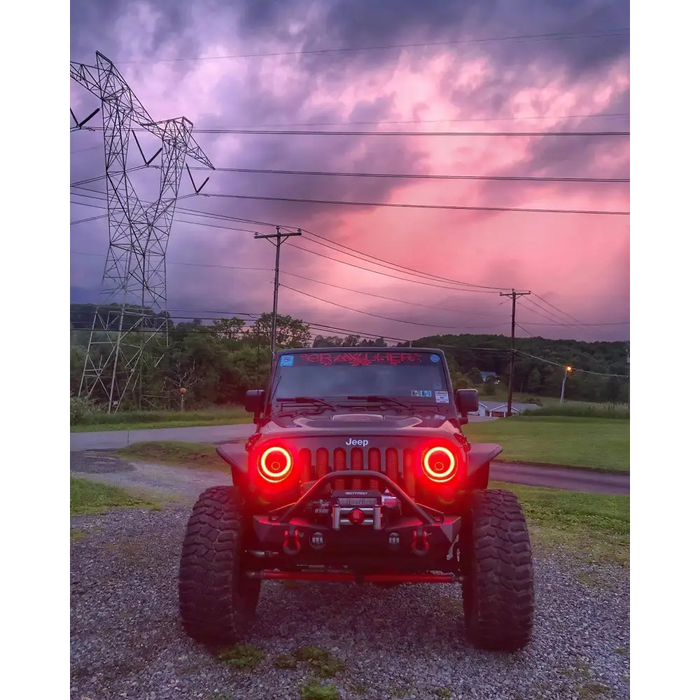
398	465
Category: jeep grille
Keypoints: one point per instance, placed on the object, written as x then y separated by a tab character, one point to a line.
397	464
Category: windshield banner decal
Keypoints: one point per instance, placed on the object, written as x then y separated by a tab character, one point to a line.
363	359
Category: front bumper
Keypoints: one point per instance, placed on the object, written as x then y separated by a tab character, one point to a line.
418	540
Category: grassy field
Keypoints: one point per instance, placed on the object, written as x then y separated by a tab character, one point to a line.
140	420
188	454
596	525
594	443
90	497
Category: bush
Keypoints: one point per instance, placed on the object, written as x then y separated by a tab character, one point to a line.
82	410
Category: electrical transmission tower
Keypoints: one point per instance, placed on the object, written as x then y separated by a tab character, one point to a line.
133	304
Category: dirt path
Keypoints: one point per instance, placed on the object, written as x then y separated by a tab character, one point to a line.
186	482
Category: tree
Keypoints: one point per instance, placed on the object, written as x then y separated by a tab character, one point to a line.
534	379
474	375
291	332
327	341
612	392
351	341
489	388
459	379
228	328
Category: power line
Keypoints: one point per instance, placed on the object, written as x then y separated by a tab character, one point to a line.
368	313
91	218
549	315
450	207
82	150
556	308
463	288
386	264
348	289
379	296
591	34
366	257
189	264
584	371
525	330
617	115
386	274
325	242
414	176
574	325
316	132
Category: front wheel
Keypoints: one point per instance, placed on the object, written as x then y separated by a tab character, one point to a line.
217	600
496	561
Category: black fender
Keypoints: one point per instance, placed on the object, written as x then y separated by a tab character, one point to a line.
235	455
480	457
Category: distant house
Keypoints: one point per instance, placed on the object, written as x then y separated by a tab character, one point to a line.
486	376
494	409
501	410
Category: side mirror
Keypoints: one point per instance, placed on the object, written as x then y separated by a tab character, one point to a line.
255	401
467	401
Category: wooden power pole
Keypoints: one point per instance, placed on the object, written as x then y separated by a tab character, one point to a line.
511	378
277	239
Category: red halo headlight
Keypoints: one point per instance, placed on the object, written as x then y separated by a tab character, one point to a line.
275	464
439	464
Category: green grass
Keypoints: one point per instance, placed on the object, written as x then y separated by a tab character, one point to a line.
313	690
322	661
594	443
596	524
242	657
89	497
189	454
141	420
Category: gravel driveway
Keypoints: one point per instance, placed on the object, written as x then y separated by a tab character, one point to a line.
406	642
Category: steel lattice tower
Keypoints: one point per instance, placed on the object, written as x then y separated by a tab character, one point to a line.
133	303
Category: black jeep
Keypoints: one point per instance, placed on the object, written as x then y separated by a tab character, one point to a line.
358	471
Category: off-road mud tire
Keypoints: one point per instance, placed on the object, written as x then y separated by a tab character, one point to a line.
495	557
216	600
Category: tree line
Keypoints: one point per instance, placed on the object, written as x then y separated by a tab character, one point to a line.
218	360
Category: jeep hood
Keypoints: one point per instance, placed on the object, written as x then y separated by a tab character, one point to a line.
356	423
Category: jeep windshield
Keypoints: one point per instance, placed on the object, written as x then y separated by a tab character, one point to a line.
383	378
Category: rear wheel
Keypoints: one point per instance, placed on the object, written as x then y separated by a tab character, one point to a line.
496	560
217	600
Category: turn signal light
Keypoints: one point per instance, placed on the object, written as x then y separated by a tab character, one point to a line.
275	464
439	464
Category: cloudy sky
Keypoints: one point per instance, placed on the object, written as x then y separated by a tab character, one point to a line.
395	65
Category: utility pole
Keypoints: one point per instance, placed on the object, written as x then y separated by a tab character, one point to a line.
279	239
567	370
513	295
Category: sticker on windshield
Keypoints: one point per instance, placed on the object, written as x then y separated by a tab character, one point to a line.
286	360
442	397
435	358
422	393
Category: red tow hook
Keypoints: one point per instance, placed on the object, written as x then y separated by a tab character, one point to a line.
421	535
291	551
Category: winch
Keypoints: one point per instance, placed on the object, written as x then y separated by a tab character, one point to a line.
368	508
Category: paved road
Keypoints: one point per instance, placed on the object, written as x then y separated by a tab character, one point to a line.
115	439
554	477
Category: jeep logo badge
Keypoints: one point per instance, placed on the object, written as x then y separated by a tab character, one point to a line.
358	443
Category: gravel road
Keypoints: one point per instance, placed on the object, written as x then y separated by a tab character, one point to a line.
126	640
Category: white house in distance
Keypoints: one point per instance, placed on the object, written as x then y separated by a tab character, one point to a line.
485	376
498	409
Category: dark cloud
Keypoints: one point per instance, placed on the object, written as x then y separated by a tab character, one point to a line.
349	24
